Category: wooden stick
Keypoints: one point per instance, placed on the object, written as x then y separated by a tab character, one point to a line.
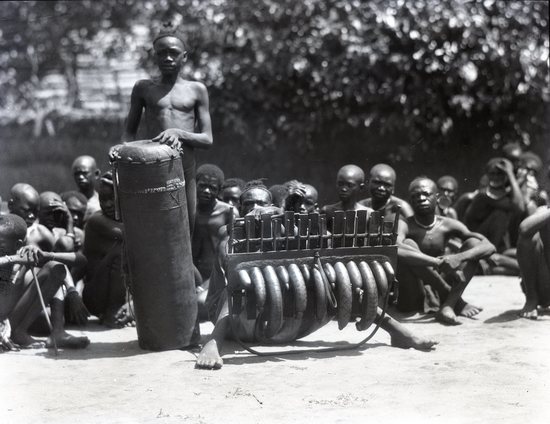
44	309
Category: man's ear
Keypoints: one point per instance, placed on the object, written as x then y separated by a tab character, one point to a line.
10	203
184	58
362	186
97	173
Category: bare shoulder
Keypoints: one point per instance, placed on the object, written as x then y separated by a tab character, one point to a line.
200	89
327	209
142	86
222	207
197	85
406	209
454	225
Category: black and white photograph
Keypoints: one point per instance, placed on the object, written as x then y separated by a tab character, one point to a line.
275	211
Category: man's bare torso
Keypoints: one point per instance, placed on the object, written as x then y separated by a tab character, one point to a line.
169	107
430	241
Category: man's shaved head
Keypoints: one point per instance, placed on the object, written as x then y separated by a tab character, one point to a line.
425	181
383	169
352	172
85	160
23	190
24	202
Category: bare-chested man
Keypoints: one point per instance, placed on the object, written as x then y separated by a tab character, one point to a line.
381	187
176	109
534	261
104	289
256	199
19	299
77	204
231	190
493	207
423	263
302	198
212	214
25	202
86	173
350	181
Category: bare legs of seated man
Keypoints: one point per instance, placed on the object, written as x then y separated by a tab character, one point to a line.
424	289
210	355
534	260
28	309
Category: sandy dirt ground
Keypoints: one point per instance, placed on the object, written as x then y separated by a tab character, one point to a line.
494	369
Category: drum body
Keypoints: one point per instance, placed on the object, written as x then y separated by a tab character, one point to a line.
150	188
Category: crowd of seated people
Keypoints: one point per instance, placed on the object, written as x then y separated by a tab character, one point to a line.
72	244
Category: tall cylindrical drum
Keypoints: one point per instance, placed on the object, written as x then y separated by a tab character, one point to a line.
150	188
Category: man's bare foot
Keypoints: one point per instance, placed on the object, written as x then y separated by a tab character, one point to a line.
209	357
124	317
529	310
65	340
405	340
470	310
447	316
25	341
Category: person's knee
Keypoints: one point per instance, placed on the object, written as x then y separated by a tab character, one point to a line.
53	270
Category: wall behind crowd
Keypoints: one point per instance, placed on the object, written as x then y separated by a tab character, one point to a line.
44	161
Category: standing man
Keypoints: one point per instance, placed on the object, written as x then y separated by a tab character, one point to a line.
176	109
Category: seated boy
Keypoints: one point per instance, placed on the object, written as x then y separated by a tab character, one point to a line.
19	298
104	289
211	215
256	199
381	187
350	180
425	272
534	261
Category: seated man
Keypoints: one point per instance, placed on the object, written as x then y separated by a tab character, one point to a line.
212	214
492	207
19	298
350	180
230	192
77	204
56	217
424	270
26	203
279	193
534	261
86	173
447	188
104	289
381	188
302	198
256	199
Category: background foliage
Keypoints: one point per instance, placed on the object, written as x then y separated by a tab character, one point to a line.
425	74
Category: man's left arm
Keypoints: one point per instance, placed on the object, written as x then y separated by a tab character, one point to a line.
479	250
